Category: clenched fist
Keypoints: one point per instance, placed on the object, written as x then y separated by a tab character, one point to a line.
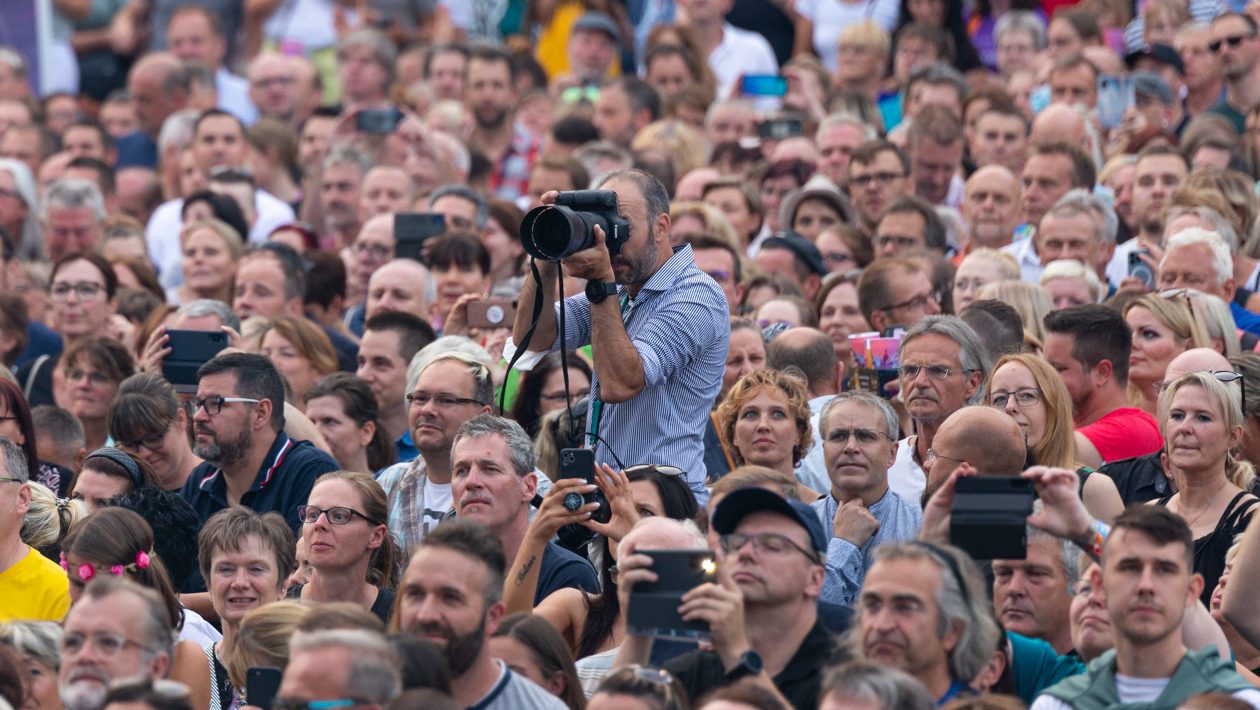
855	523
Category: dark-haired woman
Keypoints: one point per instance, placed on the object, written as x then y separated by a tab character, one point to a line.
542	389
108	472
343	409
531	647
86	383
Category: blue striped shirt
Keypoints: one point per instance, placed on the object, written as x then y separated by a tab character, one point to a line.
680	324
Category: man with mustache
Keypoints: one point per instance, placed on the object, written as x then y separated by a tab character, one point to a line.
452	596
117	630
238	429
493	482
1033	596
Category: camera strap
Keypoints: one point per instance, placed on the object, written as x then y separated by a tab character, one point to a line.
535	315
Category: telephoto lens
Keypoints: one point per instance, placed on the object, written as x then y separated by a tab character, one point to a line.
553	232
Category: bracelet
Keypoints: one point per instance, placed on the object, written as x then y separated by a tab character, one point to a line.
1092	540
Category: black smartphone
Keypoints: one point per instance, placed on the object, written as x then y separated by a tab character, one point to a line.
1139	269
377	120
989	517
413	229
653	607
190	349
262	683
580	463
777	129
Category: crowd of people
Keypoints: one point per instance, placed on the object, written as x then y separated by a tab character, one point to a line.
837	268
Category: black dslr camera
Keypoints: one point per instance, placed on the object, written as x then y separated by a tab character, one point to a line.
989	517
553	232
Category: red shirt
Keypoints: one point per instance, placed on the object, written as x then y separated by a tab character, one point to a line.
1124	433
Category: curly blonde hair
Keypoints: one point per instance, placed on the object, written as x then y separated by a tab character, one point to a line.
791	384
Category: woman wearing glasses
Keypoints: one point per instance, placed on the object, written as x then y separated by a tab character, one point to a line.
89	373
1163	328
1032	393
211	250
1202	426
542	389
348	544
148	422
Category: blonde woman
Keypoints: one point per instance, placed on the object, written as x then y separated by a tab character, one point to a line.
1162	328
1070	283
1029	300
979	268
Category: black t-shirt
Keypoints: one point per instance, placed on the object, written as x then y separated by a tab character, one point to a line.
561	568
382	607
701	671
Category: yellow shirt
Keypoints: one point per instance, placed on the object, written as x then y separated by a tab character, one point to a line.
35	588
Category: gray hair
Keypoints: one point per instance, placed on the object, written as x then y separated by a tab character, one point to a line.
961	601
10	58
1073	269
210	307
846	118
941	74
373	675
376	41
1021	21
866	399
177	130
157	626
73	193
1222	263
1080	201
345	154
38	640
1069	555
655	196
520	447
971	353
30	243
452	347
465	193
1216	222
596	152
885	686
14	459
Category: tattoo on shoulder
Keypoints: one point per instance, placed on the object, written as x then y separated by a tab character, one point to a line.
520	576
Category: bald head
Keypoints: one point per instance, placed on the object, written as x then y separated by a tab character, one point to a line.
399	285
1195	360
661	533
809	350
691	185
985	437
1059	123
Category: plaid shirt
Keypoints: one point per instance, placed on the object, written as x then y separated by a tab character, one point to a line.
510	177
409	517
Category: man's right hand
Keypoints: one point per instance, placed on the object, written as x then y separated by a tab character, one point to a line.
632	568
155	351
855	523
552	515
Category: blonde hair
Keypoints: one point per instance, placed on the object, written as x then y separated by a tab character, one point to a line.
49	518
231	239
263	639
1008	268
1227	400
676	140
1057	446
712	218
1073	269
792	387
1030	300
867	33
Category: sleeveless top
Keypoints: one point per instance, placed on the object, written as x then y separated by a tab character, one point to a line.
1209	550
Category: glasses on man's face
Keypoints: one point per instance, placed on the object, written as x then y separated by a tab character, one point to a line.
1233	42
918	302
766	543
936	372
934	455
108	644
85	290
152	443
337	516
9	479
863	437
862	181
214	403
1027	397
441	401
375	252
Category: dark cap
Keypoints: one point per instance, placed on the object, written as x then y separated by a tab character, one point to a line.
1150	85
743	502
1161	53
801	247
597	22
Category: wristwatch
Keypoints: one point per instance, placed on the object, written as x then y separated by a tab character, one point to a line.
749	665
597	291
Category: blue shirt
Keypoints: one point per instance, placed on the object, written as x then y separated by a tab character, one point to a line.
41	340
405	449
561	568
283	483
680	324
846	564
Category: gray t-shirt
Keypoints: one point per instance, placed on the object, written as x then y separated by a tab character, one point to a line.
512	692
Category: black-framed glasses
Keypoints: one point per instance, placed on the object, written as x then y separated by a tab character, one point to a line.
862	181
296	704
936	372
918	301
1225	376
338	515
1024	398
443	401
214	403
107	643
663	469
863	437
85	290
152	442
767	543
1232	41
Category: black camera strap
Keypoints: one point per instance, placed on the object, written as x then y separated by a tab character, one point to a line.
535	315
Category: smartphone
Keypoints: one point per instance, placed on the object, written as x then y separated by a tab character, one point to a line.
653	606
412	229
1139	269
261	685
989	517
1039	98
377	120
491	313
777	129
580	463
190	349
1115	96
763	85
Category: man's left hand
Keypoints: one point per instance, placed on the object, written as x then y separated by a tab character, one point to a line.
721	604
592	263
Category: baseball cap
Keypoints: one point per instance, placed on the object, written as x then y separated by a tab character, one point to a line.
598	22
1161	53
801	247
741	503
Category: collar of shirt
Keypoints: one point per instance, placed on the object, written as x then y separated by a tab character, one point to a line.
667	276
280	448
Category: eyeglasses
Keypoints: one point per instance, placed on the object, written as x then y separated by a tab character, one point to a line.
658	467
862	181
1023	398
933	455
936	372
561	396
295	704
835	259
214	403
85	290
152	443
574	94
337	516
919	301
863	437
372	251
94	377
769	543
1233	41
442	401
8	479
107	644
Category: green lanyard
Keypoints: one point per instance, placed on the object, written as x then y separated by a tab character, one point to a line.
597	407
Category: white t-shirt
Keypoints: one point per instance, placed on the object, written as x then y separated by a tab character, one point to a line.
905	477
741	52
437	501
1139	690
830	17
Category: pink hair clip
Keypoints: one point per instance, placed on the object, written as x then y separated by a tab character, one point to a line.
142	560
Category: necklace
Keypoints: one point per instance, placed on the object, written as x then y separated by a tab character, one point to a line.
1206	506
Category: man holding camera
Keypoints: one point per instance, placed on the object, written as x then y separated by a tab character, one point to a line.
660	328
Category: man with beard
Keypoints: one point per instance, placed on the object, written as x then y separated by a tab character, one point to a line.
1234	42
452	596
1089	346
1148	583
490	95
117	630
493	482
238	429
659	325
1159	171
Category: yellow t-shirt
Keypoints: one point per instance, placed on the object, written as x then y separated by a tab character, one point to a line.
36	588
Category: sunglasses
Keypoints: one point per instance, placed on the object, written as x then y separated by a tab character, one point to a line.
1231	41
